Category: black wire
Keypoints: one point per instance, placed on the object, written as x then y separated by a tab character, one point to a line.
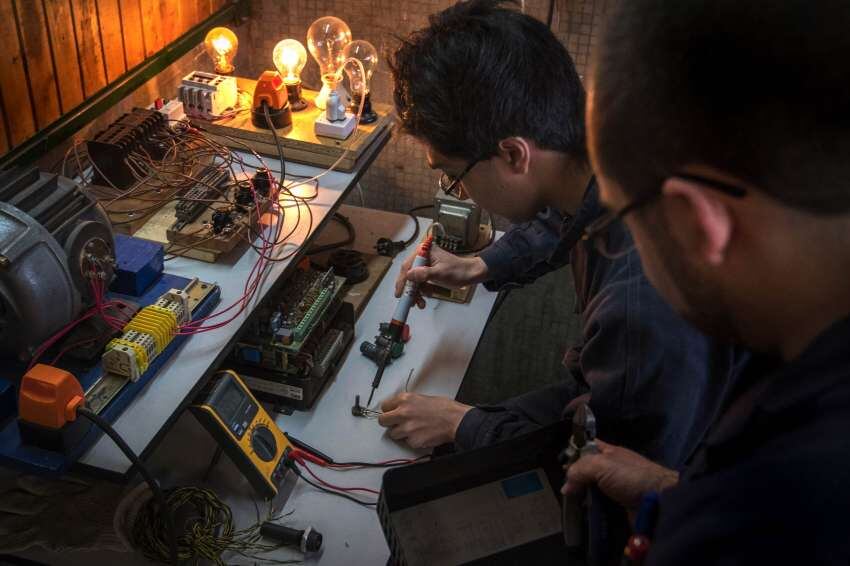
342	243
377	465
276	142
298	473
550	16
416	220
103	425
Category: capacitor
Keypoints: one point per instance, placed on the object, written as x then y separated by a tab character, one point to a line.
221	219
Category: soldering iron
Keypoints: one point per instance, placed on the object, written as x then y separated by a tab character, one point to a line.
389	343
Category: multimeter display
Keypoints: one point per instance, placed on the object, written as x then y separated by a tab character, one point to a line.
233	406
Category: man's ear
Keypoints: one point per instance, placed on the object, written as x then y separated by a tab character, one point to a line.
698	218
515	154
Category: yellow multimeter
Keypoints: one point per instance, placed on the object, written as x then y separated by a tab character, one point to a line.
244	430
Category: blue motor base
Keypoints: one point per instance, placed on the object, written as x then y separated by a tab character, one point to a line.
33	459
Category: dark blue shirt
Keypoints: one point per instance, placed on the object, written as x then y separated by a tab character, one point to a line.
771	482
655	383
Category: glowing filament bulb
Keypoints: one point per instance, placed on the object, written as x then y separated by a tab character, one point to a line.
289	57
221	45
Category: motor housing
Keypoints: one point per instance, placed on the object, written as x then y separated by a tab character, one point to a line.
52	238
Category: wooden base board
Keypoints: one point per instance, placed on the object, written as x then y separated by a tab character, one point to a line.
299	141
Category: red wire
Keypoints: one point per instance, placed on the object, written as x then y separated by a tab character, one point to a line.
336	487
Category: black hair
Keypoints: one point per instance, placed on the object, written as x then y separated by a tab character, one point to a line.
480	73
758	88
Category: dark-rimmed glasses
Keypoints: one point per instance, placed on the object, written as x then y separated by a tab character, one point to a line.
597	231
453	186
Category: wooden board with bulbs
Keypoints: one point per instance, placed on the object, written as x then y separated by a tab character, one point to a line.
300	142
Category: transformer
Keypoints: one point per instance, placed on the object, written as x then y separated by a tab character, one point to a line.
460	219
53	239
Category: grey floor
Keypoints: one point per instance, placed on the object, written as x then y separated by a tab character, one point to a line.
525	341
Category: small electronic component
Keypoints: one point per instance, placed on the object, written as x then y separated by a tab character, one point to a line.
359	410
220	220
146	335
244	195
244	430
263	181
207	95
171	109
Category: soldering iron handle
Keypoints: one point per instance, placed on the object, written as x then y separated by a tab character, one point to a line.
408	297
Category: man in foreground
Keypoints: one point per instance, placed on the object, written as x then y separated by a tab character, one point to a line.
734	184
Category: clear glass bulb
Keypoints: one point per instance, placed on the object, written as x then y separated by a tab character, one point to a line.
289	57
326	39
221	45
365	52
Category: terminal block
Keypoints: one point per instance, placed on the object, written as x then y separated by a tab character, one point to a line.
138	130
147	335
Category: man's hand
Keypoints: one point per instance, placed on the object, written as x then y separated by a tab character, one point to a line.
446	269
621	474
423	421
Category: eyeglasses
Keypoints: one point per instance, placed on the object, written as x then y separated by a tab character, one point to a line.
453	186
597	231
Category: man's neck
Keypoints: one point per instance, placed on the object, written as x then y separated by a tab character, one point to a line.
811	316
563	181
800	292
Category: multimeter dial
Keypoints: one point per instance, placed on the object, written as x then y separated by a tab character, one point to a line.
263	443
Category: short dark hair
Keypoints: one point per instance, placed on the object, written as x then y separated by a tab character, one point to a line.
759	88
480	73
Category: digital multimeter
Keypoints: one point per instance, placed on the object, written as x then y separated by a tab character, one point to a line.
244	430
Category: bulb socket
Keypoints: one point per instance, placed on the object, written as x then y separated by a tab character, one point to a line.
293	92
369	116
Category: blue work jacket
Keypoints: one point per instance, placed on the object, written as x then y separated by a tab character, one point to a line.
770	484
655	382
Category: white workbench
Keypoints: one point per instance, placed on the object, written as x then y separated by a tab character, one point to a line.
444	338
152	412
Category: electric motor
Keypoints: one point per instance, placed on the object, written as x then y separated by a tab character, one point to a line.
53	240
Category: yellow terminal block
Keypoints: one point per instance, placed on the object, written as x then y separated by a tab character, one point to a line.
145	336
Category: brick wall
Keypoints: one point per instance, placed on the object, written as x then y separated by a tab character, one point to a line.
399	179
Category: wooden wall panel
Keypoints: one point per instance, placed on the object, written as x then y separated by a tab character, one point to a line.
4	140
170	14
13	78
190	14
36	47
134	36
89	45
152	24
56	53
109	16
60	25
